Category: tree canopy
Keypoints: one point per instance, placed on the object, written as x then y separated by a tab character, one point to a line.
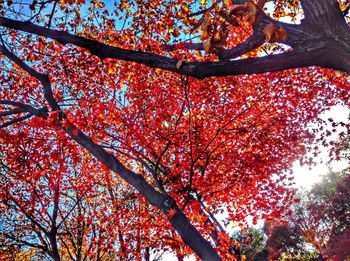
127	127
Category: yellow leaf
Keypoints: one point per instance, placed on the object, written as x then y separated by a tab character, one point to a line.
185	9
227	2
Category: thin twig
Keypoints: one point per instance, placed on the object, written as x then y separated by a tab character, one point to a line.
52	13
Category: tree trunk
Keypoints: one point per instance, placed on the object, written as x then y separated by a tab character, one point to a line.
179	221
324	31
54	248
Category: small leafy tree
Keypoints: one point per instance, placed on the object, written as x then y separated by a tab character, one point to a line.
329	207
283	239
252	242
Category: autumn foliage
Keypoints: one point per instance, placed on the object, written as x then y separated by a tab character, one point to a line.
113	146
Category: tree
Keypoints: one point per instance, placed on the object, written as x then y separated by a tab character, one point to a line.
320	219
252	243
329	208
126	96
283	239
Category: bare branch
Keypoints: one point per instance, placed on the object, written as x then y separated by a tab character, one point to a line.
52	13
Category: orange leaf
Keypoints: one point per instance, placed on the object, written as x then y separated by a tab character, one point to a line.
280	35
208	47
247	12
251	12
178	64
205	35
273	35
206	22
268	31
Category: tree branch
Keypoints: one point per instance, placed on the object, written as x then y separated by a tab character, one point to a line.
11	112
165	203
346	11
200	70
63	219
239	2
185	45
43	78
254	41
25	242
314	9
52	13
26	108
31	218
25	117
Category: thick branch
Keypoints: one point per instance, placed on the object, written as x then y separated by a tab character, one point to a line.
179	221
194	69
185	45
239	2
327	10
